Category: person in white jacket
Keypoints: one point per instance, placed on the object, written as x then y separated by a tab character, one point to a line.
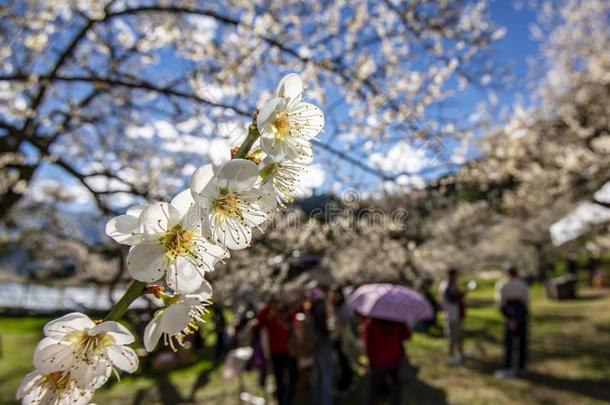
512	297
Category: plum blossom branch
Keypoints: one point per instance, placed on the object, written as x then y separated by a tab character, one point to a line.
177	244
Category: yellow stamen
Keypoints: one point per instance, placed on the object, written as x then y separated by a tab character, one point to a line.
227	204
177	242
57	381
92	343
281	125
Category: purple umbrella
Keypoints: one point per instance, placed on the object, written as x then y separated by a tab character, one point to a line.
390	302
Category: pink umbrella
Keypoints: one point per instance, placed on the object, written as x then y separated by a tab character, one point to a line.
390	302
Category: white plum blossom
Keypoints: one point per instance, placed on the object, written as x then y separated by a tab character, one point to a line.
167	242
287	124
87	350
178	318
283	177
55	388
228	203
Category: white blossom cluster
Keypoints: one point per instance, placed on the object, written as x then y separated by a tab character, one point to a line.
76	357
175	244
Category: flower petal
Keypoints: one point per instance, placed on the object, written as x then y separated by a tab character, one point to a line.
91	373
146	262
158	218
152	334
170	320
28	383
291	86
288	149
237	175
74	321
80	396
123	357
307	118
183	276
53	355
231	233
136	210
175	318
202	294
266	115
120	334
259	206
183	202
208	253
124	229
201	178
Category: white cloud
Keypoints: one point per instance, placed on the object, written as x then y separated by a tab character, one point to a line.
402	158
312	179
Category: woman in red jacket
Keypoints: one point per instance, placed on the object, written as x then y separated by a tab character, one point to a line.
383	340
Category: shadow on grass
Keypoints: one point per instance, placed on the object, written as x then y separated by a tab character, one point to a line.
416	392
587	297
480	302
555	318
602	328
598	389
595	389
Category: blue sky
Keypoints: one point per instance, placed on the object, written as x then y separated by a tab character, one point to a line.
516	45
512	52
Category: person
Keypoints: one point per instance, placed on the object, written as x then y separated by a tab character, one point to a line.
383	341
322	376
453	304
512	297
343	332
276	320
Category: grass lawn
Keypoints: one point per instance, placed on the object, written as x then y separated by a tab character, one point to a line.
570	362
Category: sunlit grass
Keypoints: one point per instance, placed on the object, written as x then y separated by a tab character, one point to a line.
570	361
